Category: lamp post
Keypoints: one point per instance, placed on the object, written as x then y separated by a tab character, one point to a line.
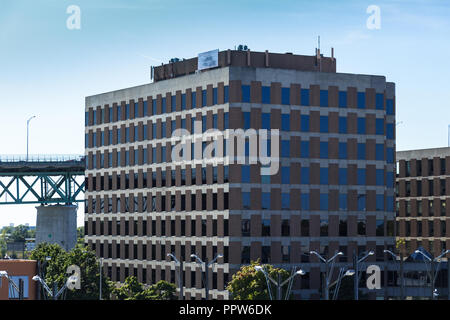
28	125
356	263
278	283
54	293
180	274
342	273
402	280
432	273
328	271
206	264
101	273
4	274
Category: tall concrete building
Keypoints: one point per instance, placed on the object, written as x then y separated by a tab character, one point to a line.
334	189
423	199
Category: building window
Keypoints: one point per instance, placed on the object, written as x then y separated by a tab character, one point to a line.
361	151
265	254
324	98
265	200
342	125
286	253
285	175
304	228
361	227
265	94
304	97
285	148
245	227
324	150
304	175
380	228
361	176
379	126
324	176
245	254
304	201
361	126
285	95
343	201
379	202
285	201
324	201
343	227
342	99
285	122
323	124
265	121
343	150
246	200
361	202
304	123
245	171
285	228
265	230
304	149
361	100
323	228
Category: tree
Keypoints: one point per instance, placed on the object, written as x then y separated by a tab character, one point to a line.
19	233
80	235
249	284
134	290
56	270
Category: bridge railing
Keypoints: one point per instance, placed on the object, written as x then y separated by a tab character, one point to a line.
41	158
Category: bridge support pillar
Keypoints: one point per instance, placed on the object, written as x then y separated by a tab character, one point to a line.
57	224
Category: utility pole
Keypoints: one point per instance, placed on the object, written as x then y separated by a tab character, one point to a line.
402	279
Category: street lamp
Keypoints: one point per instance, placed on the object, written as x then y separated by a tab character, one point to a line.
432	273
348	273
28	125
356	263
54	294
402	280
4	274
180	274
278	283
328	271
100	273
206	264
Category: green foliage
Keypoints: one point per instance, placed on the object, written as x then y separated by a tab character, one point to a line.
133	290
249	284
55	270
19	233
80	236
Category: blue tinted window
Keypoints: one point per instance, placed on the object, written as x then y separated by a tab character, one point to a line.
246	120
389	106
173	100
304	97
361	176
389	203
203	123
285	95
245	169
304	123
343	176
204	100
214	95
304	149
163	129
86	118
194	99
215	121
285	148
154	155
389	131
127	111
343	202
111	113
324	150
379	126
265	94
145	111
119	113
361	151
305	201
361	100
183	123
324	98
389	179
163	110
94	161
265	200
379	177
390	155
323	124
127	134
145	133
119	137
153	106
86	140
225	94
304	175
379	101
380	202
342	125
183	101
173	126
323	175
225	120
342	150
285	201
111	137
324	201
153	130
245	200
163	154
247	148
361	202
136	110
285	175
361	125
285	122
379	151
343	99
127	158
265	119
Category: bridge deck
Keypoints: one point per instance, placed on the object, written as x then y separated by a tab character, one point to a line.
12	164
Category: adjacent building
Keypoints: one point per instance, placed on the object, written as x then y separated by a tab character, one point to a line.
334	189
17	270
423	199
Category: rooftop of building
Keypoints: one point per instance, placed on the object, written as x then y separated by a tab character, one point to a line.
423	153
253	59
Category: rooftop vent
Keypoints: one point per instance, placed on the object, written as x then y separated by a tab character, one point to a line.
243	47
173	60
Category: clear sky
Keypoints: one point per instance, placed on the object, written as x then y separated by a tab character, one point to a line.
47	69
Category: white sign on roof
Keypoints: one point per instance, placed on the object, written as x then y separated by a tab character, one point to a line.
208	59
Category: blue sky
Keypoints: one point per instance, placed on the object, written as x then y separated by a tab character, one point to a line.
46	69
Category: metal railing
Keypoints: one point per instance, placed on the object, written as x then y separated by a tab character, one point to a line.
41	158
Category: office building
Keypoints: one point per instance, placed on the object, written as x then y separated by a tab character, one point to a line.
334	189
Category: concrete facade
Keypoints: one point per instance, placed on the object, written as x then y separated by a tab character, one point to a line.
423	199
334	191
57	224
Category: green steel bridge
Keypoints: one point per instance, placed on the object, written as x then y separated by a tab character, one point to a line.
42	179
